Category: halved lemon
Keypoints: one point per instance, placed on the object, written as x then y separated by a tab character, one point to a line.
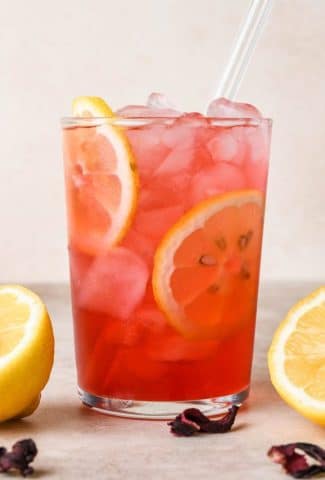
26	350
296	357
206	268
101	179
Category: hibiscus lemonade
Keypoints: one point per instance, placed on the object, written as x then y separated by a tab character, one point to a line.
165	219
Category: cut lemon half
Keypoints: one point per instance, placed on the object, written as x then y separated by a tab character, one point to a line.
26	350
90	107
296	357
206	267
102	182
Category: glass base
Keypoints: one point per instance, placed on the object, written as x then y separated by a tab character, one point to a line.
159	410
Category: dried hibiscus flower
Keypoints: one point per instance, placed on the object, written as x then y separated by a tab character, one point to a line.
21	455
300	460
193	421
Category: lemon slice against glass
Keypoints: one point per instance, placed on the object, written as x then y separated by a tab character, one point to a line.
90	107
102	179
203	280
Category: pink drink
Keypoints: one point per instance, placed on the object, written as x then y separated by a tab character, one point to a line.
127	346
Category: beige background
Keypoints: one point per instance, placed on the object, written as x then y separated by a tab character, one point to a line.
53	51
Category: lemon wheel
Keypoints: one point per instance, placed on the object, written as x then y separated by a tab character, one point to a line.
206	267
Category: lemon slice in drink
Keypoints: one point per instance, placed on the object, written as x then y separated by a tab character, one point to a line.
90	107
26	350
296	357
206	267
102	181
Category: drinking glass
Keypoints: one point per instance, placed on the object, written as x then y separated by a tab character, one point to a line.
165	219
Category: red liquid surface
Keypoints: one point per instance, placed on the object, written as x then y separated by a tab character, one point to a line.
126	346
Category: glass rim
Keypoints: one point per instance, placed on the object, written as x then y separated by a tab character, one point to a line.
139	121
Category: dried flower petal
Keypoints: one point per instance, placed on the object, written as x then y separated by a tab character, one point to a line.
21	455
300	460
182	427
193	421
223	425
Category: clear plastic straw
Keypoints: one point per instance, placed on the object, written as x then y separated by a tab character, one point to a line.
243	48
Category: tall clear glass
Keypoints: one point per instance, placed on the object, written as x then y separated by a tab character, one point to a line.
165	221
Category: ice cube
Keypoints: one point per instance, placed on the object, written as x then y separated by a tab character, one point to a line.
162	105
226	146
141	244
157	106
164	190
160	101
257	139
228	176
148	148
177	162
135	111
115	284
221	107
163	343
179	135
203	186
169	184
256	165
154	223
212	181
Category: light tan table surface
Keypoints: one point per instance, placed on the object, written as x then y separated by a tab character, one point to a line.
75	442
